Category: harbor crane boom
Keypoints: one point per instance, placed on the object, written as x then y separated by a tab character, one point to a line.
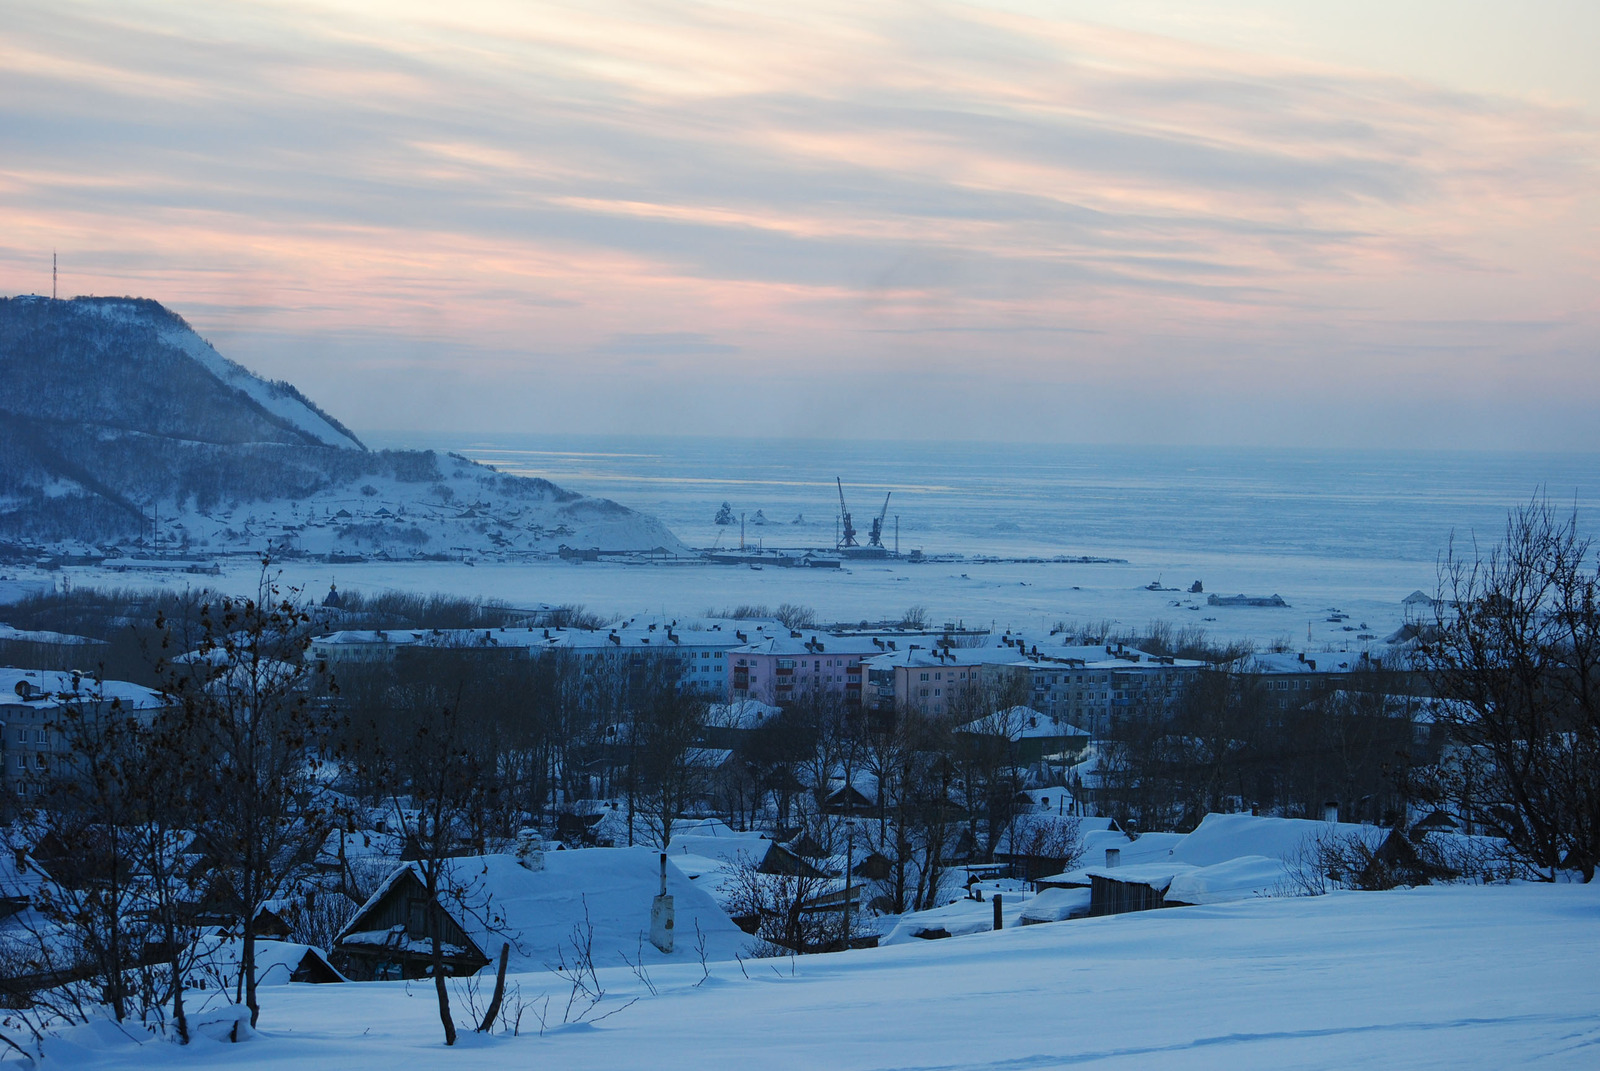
848	537
875	537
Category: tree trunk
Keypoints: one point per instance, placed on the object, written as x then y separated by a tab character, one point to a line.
247	968
499	992
438	965
178	1015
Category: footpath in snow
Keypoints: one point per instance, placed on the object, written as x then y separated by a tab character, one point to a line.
1450	977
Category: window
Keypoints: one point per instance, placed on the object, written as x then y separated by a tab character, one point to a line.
924	676
40	736
938	676
39	762
22	762
938	692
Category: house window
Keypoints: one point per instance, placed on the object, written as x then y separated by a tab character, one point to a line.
924	676
417	917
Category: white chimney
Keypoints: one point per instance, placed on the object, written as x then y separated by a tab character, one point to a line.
530	849
1113	857
1330	812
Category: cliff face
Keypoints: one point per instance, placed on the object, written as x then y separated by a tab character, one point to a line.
114	412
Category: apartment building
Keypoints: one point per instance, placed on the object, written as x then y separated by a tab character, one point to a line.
34	746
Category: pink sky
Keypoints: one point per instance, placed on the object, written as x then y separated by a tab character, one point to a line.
918	220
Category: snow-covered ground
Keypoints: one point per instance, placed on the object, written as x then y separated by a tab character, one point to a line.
1449	977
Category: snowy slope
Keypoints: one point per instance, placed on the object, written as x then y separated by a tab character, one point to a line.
272	397
1430	978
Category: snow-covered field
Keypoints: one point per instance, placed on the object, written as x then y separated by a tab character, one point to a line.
1016	595
1452	977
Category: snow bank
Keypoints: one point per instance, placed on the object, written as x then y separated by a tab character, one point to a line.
1055	905
1236	879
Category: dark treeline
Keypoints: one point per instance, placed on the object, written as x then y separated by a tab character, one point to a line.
1229	743
123	621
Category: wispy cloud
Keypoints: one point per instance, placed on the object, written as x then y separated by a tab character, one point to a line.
723	187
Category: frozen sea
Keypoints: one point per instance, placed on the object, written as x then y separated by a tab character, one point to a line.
1353	530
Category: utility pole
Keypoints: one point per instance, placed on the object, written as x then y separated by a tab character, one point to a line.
849	868
52	275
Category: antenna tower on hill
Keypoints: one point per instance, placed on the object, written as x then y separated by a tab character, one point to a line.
52	275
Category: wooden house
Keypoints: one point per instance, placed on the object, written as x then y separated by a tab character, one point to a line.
391	936
533	904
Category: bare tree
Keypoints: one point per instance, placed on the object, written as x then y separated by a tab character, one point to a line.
1514	655
246	717
668	771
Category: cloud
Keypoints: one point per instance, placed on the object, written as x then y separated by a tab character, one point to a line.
897	187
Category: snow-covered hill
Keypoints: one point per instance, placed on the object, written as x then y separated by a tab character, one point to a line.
1459	977
122	427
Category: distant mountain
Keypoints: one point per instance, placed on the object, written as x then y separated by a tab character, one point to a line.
119	425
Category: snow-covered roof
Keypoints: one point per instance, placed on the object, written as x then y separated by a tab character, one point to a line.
812	644
1055	905
1157	876
741	714
1077	657
536	638
64	639
1278	663
1235	879
56	689
498	900
276	961
1221	837
1056	648
1023	723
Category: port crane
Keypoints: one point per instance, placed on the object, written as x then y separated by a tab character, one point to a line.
875	537
848	537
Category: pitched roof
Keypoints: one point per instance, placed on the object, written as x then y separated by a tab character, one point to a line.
495	899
